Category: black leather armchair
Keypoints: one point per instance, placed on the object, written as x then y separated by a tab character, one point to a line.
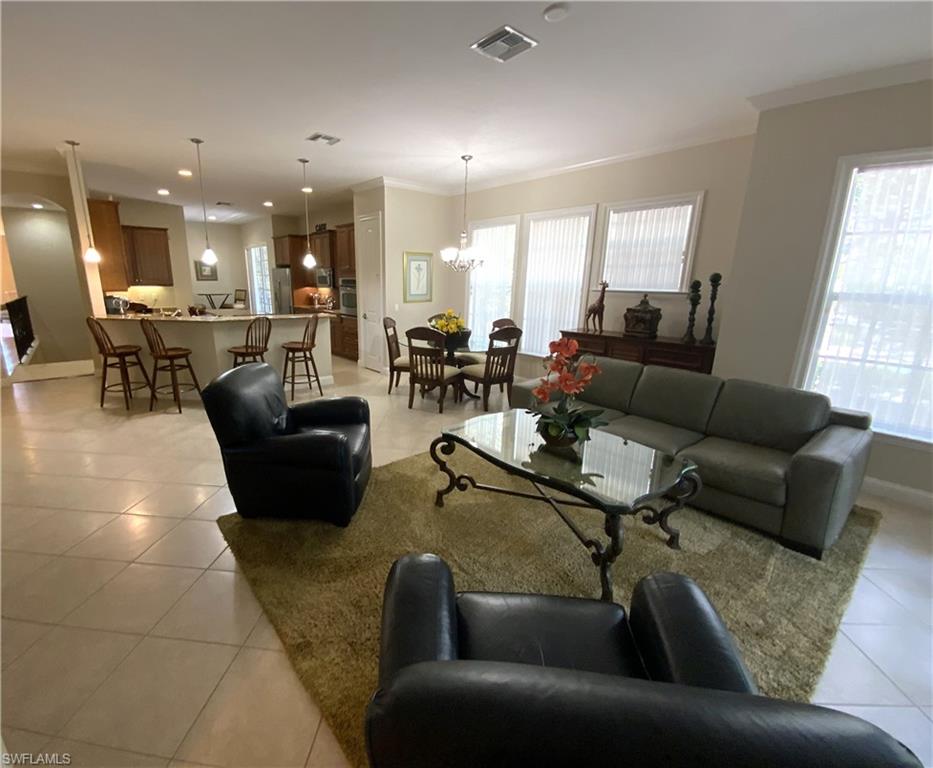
311	460
481	679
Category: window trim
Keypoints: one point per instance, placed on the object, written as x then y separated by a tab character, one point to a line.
498	221
606	209
846	169
518	296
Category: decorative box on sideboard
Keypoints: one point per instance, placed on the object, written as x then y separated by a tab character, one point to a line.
669	352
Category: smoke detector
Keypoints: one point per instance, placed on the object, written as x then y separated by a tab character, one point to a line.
504	44
326	138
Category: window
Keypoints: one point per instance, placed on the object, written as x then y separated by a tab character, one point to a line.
491	285
872	345
649	245
260	286
557	247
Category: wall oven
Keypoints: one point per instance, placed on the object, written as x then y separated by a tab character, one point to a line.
347	289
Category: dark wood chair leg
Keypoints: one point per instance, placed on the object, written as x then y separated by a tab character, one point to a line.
486	388
308	356
411	393
508	390
194	379
398	377
174	374
103	382
152	384
391	376
294	359
285	369
440	398
125	381
318	378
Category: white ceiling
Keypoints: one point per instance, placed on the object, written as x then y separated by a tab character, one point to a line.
399	84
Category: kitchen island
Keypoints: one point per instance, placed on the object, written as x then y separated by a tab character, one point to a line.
210	336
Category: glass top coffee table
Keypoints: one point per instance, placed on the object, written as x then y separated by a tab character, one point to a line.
607	473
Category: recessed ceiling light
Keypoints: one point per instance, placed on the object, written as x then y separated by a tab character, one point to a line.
212	218
163	192
268	203
307	190
38	206
185	172
556	12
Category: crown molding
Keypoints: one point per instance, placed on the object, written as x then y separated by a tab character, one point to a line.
899	74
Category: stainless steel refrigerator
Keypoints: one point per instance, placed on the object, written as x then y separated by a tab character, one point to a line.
282	290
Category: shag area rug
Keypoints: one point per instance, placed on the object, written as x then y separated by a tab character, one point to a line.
321	586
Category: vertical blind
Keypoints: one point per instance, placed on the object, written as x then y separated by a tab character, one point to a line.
873	347
646	248
554	275
491	284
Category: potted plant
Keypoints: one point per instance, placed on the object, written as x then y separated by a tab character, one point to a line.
561	423
454	327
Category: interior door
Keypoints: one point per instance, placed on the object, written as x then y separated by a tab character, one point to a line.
370	290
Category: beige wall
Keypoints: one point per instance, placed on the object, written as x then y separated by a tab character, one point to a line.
227	242
332	215
783	223
142	213
719	169
418	221
42	257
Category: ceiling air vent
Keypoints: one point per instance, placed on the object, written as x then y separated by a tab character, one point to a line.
326	138
222	202
504	44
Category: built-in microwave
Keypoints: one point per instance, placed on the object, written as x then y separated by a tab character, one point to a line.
347	288
324	277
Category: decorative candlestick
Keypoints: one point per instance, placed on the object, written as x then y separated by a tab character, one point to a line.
694	298
714	280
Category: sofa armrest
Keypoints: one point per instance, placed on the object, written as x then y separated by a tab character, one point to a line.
463	714
330	410
419	615
823	481
312	449
847	418
682	638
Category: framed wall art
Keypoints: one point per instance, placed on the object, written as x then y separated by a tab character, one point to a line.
417	276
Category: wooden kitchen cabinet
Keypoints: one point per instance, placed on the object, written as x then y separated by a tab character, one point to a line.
108	239
336	336
290	252
322	246
345	251
281	248
148	258
344	337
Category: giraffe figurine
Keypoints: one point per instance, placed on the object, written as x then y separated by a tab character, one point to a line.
596	309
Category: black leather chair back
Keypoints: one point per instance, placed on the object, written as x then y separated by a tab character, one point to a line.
246	404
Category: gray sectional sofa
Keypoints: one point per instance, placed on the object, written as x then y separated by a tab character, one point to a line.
777	459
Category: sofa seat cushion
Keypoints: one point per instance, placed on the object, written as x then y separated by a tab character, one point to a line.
608	414
656	434
742	469
570	633
357	435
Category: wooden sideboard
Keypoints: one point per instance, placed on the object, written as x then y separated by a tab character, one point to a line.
670	352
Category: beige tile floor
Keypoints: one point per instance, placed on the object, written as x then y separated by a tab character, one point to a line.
130	639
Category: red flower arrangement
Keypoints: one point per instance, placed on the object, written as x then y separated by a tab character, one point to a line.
567	375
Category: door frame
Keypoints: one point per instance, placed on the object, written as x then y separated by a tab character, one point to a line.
361	339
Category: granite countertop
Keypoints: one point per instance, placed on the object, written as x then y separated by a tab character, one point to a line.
210	318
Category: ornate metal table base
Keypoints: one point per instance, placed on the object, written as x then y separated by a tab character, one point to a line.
602	554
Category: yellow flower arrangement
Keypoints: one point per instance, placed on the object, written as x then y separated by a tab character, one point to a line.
449	322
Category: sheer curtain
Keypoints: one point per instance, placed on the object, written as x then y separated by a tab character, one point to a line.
554	276
873	347
646	247
491	284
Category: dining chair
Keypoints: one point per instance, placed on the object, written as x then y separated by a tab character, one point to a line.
302	352
171	359
398	363
499	366
123	357
257	343
239	297
503	322
427	369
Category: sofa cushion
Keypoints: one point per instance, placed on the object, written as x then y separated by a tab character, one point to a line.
762	414
682	398
614	386
608	414
656	434
740	468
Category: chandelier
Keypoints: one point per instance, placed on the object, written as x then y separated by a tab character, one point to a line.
465	257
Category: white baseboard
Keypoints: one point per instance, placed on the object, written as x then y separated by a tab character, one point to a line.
900	494
44	371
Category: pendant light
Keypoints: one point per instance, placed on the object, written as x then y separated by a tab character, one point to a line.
309	262
208	257
91	255
464	258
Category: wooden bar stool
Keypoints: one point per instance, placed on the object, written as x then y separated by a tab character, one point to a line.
302	352
172	359
117	357
257	343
